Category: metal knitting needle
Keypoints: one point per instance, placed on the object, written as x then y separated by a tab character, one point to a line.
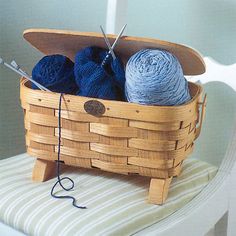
113	45
108	43
23	74
14	64
118	37
26	75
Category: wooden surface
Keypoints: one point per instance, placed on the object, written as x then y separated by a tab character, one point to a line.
158	190
131	111
123	137
43	170
64	42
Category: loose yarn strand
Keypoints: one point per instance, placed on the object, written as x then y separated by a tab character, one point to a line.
59	179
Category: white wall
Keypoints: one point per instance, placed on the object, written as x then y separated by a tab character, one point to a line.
207	25
15	16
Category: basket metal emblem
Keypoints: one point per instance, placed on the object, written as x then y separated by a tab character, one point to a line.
94	108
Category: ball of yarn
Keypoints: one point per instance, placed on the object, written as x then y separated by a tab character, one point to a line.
55	72
96	81
155	77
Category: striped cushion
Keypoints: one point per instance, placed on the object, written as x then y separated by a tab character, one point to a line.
116	204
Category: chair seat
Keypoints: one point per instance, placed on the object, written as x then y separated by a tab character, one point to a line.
116	203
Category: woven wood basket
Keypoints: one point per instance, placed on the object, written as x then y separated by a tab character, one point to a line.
113	136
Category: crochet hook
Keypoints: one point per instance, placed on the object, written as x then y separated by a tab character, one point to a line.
17	69
108	43
114	44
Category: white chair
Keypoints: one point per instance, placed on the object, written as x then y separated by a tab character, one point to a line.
213	209
215	206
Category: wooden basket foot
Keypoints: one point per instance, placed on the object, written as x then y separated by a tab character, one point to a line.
158	190
43	170
178	170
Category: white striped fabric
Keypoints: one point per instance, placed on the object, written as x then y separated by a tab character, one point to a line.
116	203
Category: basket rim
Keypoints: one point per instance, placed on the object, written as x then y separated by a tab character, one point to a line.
116	109
25	83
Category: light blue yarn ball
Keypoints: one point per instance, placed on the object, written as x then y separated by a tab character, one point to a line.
155	77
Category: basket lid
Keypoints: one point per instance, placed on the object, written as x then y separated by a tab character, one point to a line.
67	43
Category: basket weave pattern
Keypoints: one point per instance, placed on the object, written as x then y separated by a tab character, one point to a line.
126	139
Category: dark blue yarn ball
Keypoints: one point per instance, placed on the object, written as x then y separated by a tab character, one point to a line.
96	81
55	72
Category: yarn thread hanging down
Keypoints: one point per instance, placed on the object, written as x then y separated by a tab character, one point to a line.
155	77
59	179
56	73
96	80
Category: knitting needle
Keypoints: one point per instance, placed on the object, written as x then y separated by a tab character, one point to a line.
11	67
26	75
14	64
118	37
114	44
108	43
